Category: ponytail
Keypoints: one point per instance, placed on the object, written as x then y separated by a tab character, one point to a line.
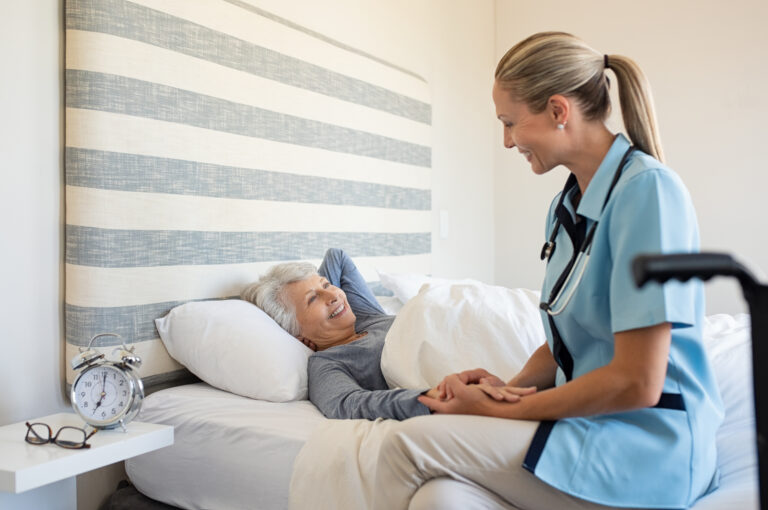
636	105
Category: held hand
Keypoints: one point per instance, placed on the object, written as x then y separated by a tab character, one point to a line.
475	376
465	399
309	343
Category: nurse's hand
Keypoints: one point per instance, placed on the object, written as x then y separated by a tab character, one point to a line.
467	398
506	393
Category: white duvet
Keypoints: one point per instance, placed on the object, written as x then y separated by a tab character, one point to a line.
336	467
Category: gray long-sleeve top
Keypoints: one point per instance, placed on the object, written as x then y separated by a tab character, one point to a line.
346	381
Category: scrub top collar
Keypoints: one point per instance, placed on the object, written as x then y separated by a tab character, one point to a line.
591	205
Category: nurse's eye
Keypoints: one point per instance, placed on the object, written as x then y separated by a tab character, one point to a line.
326	285
311	299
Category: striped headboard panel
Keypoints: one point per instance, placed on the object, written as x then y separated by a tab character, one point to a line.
207	140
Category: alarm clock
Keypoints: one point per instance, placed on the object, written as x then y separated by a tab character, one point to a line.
107	394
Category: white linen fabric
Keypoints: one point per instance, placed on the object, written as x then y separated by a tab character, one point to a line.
229	452
447	328
405	286
233	345
350	485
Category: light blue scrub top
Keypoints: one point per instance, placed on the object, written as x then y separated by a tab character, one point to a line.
654	457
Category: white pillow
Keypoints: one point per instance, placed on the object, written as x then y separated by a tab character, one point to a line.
448	328
233	345
406	285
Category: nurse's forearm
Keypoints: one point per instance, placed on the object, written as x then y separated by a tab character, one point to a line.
632	380
539	370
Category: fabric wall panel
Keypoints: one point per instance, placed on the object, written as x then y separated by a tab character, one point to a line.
207	141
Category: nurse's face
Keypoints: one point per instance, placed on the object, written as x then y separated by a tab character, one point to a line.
532	133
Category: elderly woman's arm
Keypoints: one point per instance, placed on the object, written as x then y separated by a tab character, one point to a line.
336	393
342	272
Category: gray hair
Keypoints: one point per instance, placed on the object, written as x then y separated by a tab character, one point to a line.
267	293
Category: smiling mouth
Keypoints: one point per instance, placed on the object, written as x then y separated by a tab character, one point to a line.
338	311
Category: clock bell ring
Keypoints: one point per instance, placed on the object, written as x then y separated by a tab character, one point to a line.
107	393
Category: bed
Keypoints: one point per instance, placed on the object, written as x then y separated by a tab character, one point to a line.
206	141
240	452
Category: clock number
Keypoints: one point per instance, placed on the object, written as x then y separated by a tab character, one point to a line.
121	404
122	381
88	384
82	394
85	404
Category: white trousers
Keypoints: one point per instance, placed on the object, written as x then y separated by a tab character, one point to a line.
484	454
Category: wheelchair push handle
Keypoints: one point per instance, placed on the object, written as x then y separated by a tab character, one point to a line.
684	266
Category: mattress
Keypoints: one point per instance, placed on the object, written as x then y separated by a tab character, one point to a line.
229	452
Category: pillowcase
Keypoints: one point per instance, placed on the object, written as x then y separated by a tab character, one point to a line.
406	285
233	345
448	328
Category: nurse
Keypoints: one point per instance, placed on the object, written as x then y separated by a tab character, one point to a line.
619	407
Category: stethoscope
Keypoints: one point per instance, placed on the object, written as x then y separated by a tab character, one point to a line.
585	248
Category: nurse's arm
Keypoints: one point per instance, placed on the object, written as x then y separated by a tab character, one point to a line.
538	371
633	379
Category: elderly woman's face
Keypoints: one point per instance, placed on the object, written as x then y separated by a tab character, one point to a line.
322	310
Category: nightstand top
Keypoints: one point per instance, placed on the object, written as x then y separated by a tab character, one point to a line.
24	466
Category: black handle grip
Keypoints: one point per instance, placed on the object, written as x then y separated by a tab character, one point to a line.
684	266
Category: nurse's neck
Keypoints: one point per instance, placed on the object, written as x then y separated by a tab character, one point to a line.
589	143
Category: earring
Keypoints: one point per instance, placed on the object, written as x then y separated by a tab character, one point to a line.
561	126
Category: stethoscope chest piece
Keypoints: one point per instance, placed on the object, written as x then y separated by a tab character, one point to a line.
547	250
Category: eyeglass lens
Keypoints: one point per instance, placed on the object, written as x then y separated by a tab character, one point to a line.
66	437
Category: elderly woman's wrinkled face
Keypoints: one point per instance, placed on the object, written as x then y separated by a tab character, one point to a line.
322	310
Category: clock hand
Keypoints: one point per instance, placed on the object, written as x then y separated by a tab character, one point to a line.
103	393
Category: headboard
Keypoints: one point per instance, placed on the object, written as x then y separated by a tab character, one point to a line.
207	140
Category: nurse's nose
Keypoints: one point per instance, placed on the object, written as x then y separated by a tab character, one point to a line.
508	143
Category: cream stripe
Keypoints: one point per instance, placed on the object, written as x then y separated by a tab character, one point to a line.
91	129
256	29
91	51
100	208
154	358
144	285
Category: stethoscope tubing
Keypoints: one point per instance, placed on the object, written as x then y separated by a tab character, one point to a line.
584	251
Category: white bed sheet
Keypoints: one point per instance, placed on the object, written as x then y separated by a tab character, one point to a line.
235	452
229	452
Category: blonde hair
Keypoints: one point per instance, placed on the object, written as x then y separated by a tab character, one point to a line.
550	63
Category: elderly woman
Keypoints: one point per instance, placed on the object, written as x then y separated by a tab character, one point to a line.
333	311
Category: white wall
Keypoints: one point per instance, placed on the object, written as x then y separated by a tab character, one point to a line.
31	91
707	64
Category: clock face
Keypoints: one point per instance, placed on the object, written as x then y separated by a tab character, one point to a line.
102	394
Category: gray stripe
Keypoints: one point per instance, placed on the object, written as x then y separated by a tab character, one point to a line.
88	246
159	382
133	323
125	19
132	172
317	35
118	94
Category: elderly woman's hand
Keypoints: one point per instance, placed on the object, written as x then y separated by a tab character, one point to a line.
475	376
309	343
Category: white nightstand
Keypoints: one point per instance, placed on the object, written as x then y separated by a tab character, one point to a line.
27	470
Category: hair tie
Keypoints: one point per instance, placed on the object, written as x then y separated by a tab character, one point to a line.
605	61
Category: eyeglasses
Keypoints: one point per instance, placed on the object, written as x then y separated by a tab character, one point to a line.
67	437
